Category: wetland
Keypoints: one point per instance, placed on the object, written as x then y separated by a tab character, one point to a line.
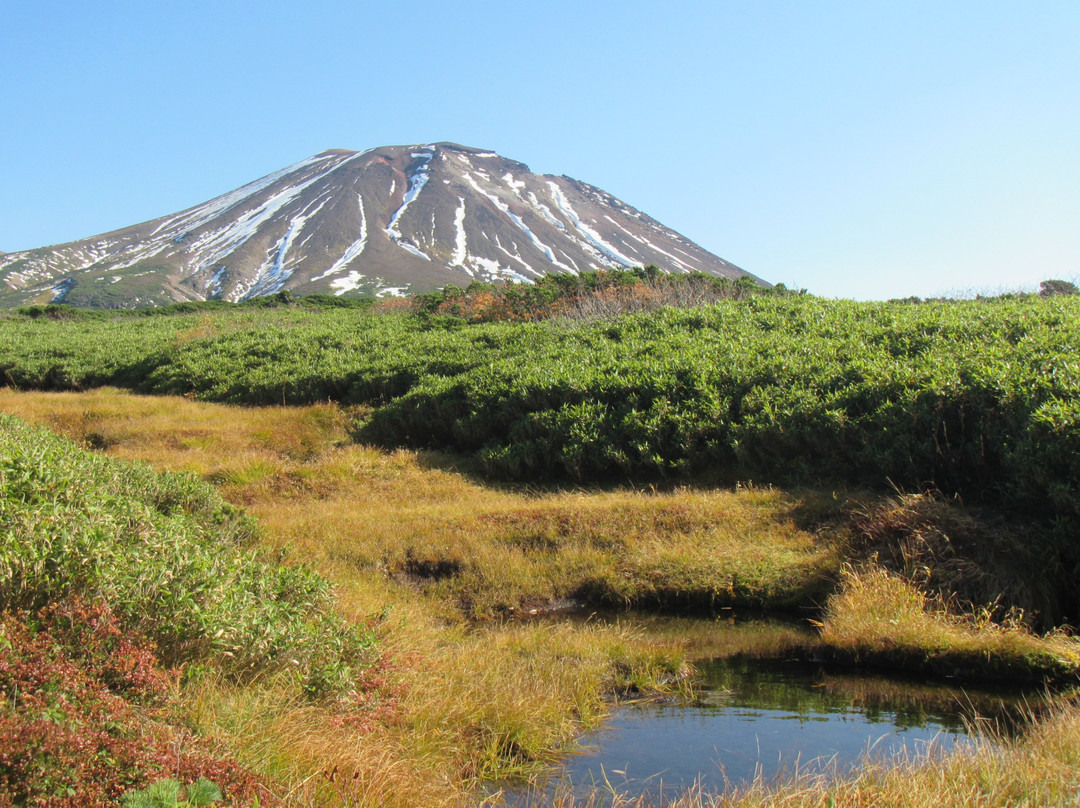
301	570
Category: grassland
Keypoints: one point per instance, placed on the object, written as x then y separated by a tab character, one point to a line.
971	399
419	551
441	702
395	473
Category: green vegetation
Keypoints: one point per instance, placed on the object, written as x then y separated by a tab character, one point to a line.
395	686
171	794
978	399
169	556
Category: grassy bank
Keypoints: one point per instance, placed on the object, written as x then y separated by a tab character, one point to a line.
877	618
420	551
117	581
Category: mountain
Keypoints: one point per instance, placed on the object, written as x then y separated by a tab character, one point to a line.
386	221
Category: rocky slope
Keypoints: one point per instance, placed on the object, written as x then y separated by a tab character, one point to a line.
385	221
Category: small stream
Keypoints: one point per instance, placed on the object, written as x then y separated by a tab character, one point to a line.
763	709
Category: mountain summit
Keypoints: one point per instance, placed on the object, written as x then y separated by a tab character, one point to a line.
386	221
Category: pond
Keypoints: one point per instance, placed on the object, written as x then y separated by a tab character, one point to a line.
764	708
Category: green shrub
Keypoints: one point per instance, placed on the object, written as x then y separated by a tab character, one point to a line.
978	398
170	557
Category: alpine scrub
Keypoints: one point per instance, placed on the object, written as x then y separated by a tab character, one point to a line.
171	558
972	397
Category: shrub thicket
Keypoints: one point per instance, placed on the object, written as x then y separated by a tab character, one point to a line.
588	296
169	557
973	397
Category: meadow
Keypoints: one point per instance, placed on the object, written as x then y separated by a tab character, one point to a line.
351	510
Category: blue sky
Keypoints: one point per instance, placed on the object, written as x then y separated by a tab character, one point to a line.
867	149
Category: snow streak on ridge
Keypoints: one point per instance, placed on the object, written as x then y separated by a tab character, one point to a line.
269	281
225	241
460	241
200	215
517	220
417	182
591	235
353	250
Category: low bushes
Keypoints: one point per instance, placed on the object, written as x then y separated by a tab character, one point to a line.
980	398
169	557
82	703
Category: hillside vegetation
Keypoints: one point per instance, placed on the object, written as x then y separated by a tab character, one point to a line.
484	453
978	399
975	397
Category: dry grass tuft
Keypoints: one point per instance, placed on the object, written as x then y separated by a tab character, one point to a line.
879	618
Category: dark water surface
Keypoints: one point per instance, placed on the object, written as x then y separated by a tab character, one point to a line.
767	716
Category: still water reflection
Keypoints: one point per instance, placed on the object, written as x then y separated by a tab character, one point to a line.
771	716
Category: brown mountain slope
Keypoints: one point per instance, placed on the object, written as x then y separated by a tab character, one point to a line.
385	221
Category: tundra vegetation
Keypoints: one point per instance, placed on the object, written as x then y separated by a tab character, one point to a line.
295	569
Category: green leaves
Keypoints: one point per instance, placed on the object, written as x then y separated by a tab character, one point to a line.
168	555
975	397
171	794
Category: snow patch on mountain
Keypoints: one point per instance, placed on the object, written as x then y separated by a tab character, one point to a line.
682	265
460	239
518	221
353	250
203	214
417	180
213	286
348	283
591	235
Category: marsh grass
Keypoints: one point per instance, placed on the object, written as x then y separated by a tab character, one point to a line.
360	512
449	701
879	618
421	553
966	556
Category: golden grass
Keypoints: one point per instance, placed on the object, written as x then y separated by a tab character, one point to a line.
359	513
879	617
419	548
407	538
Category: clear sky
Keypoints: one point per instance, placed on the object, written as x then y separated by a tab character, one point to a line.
855	148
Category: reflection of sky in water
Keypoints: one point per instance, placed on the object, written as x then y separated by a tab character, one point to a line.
771	717
680	748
